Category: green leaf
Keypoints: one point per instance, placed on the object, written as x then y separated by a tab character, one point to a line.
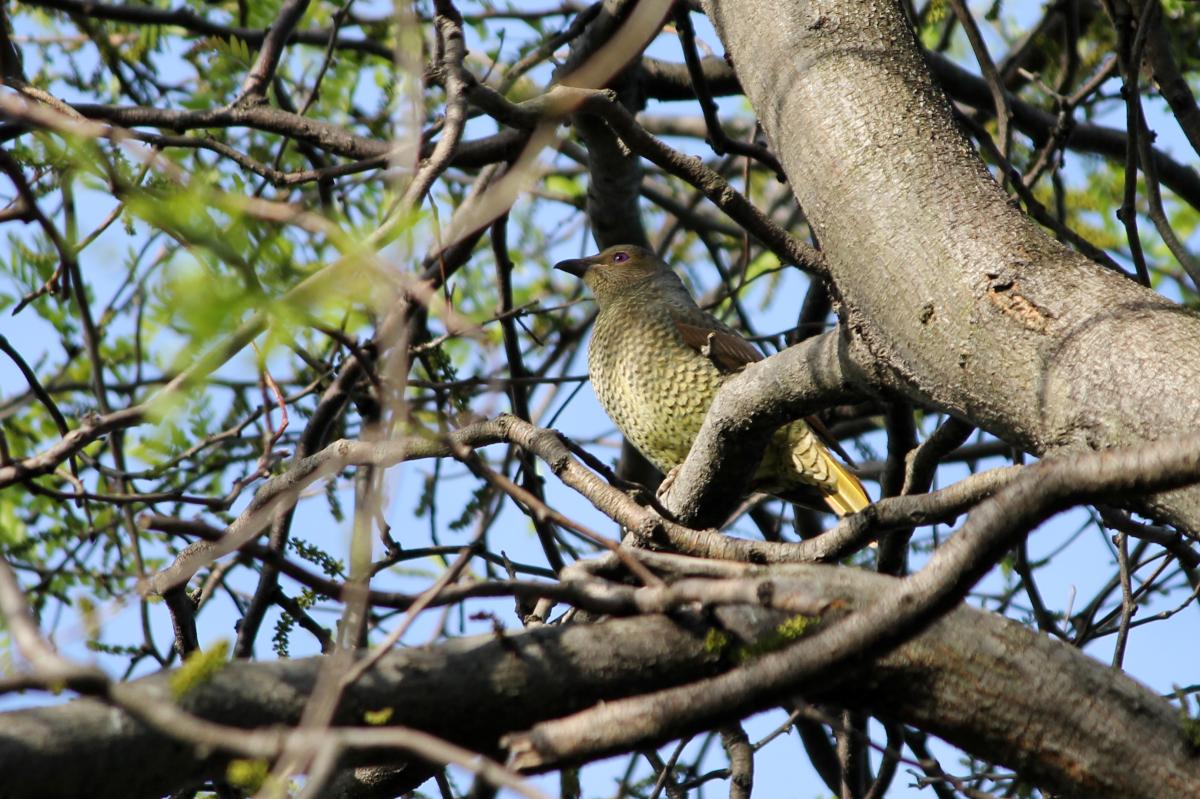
200	667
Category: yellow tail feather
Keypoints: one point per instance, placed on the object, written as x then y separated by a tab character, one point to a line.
849	496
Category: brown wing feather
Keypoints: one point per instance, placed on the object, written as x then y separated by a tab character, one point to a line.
729	351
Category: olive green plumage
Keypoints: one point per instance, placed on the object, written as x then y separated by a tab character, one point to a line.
656	361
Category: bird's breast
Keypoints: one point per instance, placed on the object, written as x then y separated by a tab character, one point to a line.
653	386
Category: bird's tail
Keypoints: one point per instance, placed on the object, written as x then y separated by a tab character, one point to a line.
805	447
847	494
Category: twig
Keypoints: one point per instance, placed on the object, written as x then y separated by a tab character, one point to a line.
254	87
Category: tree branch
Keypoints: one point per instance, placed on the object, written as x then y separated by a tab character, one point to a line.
973	678
893	617
1065	365
747	410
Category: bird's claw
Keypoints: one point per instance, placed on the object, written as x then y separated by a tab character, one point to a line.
664	488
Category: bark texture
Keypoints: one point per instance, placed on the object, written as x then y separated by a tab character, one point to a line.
950	294
469	691
982	682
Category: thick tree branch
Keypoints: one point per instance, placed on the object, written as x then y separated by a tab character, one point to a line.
1076	357
973	678
667	81
892	618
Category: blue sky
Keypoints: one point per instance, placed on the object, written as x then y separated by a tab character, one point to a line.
1155	650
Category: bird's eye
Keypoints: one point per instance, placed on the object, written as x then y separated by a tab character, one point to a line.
620	257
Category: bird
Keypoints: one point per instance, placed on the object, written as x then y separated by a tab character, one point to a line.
656	360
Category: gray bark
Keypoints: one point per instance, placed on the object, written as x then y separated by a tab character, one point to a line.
983	683
468	691
948	293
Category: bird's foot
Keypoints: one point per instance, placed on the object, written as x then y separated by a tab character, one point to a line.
664	488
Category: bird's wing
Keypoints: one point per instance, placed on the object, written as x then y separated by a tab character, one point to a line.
728	351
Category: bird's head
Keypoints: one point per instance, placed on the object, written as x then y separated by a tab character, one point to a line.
616	270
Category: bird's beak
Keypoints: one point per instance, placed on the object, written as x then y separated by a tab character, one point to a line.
575	266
